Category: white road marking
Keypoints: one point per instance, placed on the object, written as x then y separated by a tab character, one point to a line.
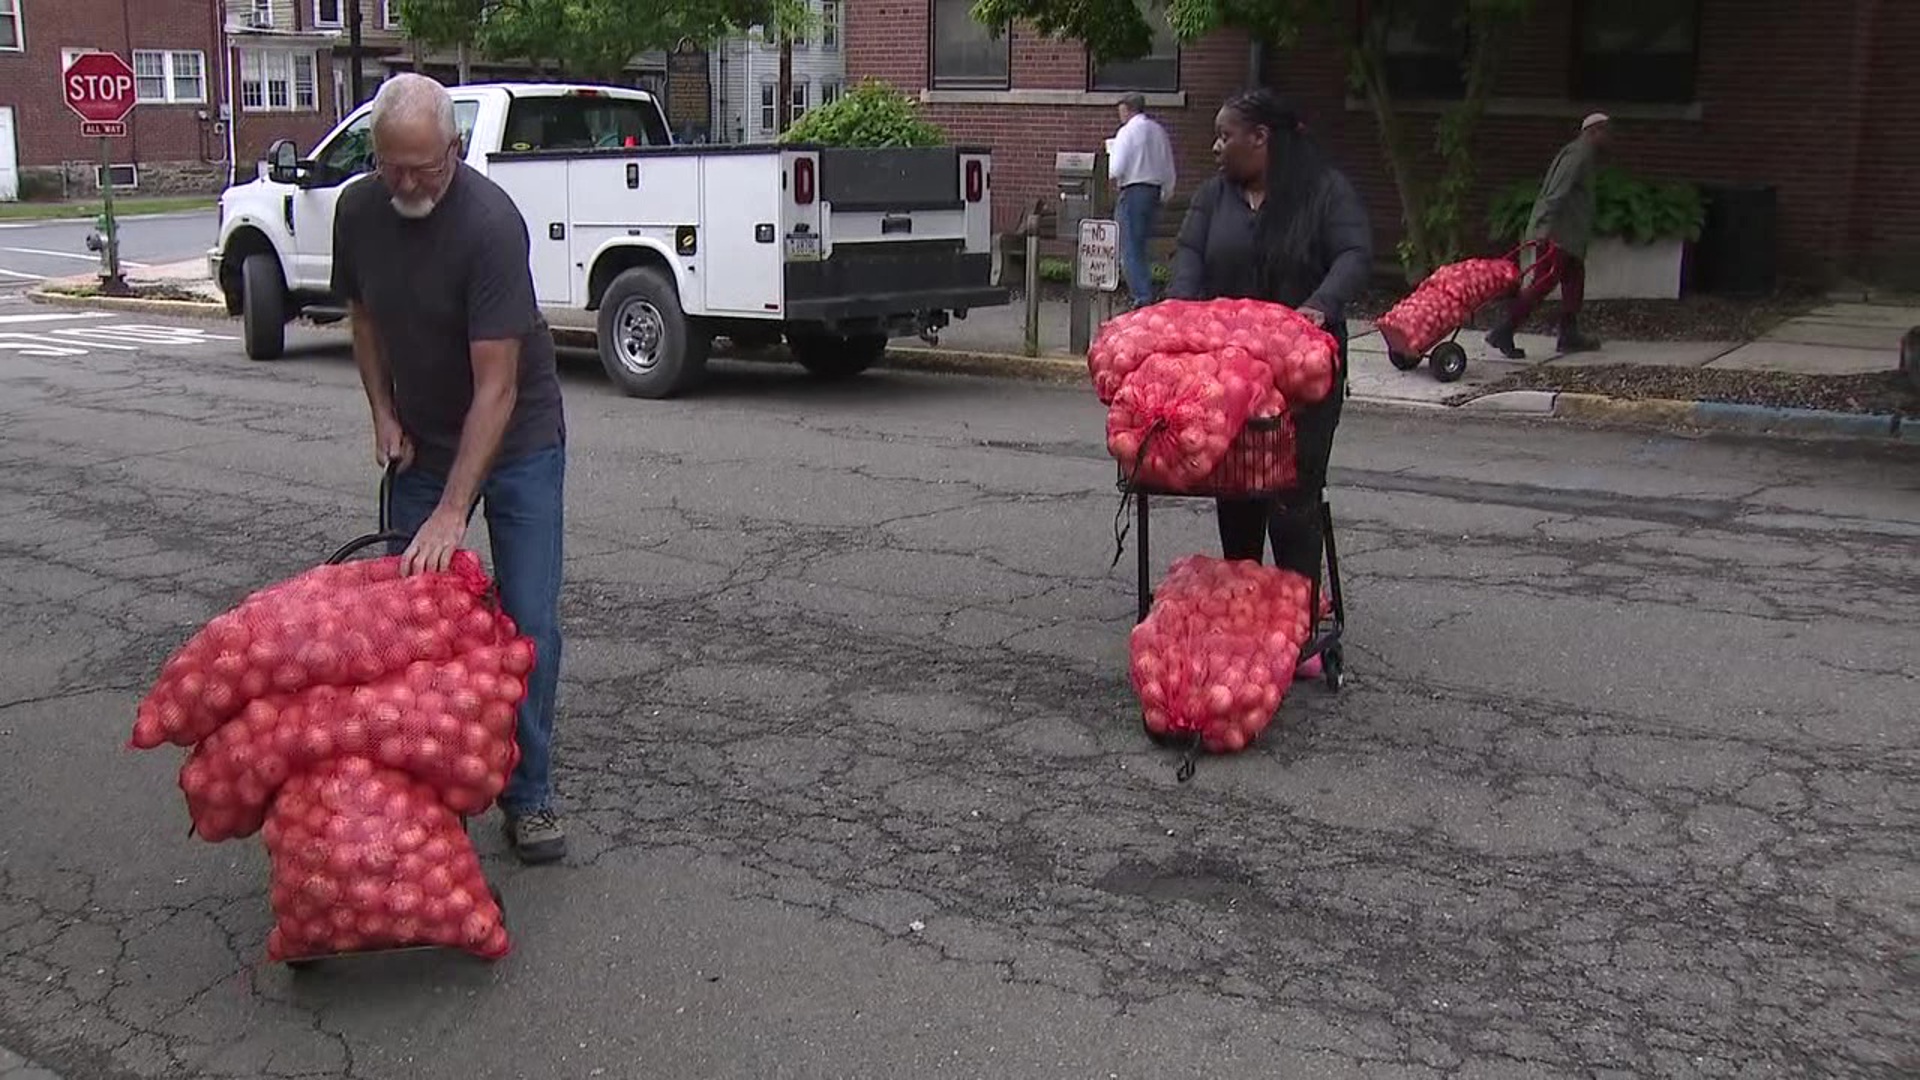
54	316
4	272
71	255
119	337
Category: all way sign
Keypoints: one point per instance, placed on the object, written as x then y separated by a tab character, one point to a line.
99	88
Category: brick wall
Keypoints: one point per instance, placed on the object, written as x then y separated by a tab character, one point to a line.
1781	84
1886	208
172	143
887	39
1812	99
255	131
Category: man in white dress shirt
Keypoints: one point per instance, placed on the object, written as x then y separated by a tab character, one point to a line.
1140	165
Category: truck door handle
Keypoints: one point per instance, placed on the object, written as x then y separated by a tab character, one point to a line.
895	223
286	209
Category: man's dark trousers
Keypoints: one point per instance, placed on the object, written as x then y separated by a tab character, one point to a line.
525	522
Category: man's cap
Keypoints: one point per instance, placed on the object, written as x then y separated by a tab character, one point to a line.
1136	102
1593	120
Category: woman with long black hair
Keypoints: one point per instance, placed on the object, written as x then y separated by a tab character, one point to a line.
1278	223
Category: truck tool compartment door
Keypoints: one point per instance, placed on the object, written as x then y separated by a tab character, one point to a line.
896	223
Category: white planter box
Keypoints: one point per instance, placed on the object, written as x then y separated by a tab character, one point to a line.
1617	270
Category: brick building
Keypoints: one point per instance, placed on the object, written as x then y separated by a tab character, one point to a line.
1815	100
216	82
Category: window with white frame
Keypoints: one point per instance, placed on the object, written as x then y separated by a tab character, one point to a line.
830	91
169	77
278	80
390	14
769	114
829	28
799	101
261	13
329	12
11	38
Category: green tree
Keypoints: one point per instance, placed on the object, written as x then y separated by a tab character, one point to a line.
1431	207
586	39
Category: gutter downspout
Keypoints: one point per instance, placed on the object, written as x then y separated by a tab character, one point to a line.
232	104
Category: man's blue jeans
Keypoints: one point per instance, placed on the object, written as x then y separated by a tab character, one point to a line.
1139	204
526	523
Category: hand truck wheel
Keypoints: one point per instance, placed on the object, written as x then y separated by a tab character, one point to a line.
1333	667
1401	361
1449	361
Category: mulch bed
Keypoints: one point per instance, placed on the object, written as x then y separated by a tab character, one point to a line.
1880	393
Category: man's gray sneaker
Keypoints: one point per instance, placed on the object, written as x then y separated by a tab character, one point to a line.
536	836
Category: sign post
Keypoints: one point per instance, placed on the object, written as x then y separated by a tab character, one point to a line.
99	88
1096	274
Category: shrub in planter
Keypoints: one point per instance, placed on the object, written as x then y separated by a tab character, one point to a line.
1625	207
872	114
1640	232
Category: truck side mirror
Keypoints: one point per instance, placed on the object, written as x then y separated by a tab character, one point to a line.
283	162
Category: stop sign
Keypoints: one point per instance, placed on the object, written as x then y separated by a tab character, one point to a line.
99	86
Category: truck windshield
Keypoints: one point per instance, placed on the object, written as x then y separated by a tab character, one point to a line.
577	122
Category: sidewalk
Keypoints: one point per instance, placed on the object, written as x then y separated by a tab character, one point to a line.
1836	343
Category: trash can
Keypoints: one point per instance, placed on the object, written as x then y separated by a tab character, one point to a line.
1736	254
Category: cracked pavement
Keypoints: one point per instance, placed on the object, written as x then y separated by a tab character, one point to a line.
1625	781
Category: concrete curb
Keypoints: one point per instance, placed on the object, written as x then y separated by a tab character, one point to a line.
185	309
1596	408
1730	417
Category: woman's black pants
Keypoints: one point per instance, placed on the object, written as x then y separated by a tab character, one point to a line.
1294	526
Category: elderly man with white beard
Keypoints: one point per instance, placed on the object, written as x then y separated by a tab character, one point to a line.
458	366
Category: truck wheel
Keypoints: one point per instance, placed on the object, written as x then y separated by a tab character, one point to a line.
837	356
646	344
263	307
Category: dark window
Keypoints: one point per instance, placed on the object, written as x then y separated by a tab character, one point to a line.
1636	50
1424	43
581	121
1158	70
965	53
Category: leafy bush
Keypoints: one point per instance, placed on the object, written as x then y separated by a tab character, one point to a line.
871	114
1637	211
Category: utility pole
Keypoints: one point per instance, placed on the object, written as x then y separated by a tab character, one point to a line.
353	45
785	89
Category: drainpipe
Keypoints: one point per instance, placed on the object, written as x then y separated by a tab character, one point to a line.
232	104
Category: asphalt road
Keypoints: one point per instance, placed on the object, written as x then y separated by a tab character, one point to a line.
32	251
1626	781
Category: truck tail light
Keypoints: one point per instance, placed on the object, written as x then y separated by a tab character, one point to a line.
976	180
803	181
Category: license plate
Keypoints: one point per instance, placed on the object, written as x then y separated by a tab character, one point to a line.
803	248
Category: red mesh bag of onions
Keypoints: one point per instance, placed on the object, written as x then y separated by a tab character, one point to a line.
1301	359
1216	653
337	625
449	725
369	858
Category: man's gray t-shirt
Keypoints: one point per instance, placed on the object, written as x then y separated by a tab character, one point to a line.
436	284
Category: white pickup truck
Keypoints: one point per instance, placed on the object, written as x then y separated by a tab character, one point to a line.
837	250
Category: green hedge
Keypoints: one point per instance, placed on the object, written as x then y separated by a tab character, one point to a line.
1635	210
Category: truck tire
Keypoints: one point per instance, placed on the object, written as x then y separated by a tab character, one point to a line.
647	345
837	356
263	307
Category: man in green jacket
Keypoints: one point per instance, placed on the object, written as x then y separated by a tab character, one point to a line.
1562	215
